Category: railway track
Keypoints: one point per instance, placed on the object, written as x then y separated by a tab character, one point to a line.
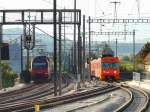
106	102
24	89
29	94
90	104
33	97
28	106
25	103
138	102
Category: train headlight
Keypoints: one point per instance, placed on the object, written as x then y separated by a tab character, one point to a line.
115	72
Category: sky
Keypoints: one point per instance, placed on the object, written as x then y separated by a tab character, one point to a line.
96	9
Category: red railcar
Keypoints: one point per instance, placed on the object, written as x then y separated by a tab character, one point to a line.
40	69
105	68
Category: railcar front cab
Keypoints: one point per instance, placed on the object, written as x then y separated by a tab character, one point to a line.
40	69
110	68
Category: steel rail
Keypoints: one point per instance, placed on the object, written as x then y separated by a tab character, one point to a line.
29	87
35	97
47	103
30	94
89	105
23	93
133	98
126	104
105	99
72	98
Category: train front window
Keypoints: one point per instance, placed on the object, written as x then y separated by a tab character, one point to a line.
115	65
105	65
39	65
109	65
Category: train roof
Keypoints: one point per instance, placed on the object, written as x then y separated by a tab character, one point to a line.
110	59
41	58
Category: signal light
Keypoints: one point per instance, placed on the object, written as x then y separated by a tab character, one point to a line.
28	38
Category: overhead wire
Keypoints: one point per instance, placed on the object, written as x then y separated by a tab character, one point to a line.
138	6
50	2
95	7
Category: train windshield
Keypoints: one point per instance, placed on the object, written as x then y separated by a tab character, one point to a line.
109	65
39	63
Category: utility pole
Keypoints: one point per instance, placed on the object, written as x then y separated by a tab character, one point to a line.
115	12
75	53
134	50
24	34
89	75
64	40
60	74
21	41
55	48
1	40
28	54
89	38
79	56
83	48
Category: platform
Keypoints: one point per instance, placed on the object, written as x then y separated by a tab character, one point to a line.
145	84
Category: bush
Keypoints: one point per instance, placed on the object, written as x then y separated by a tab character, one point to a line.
8	77
129	67
126	67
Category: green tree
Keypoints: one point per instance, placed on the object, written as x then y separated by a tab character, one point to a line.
8	77
143	53
126	67
145	50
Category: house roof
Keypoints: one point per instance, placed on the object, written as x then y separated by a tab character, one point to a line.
147	59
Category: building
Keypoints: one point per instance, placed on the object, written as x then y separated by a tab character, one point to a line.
15	57
147	62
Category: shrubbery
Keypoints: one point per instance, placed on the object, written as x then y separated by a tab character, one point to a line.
8	77
126	67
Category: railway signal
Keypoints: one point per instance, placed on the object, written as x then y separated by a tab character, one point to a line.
29	39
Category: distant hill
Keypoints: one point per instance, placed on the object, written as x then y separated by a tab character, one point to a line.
14	35
127	48
123	48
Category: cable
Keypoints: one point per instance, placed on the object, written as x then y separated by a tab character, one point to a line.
48	34
138	6
115	10
44	32
95	7
50	2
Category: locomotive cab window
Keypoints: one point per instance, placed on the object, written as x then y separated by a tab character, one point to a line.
109	65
